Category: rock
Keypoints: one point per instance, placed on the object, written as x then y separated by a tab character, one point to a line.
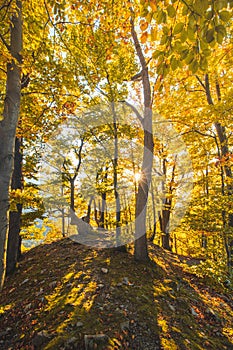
53	284
72	341
100	286
126	281
79	324
104	270
25	281
96	342
28	307
40	339
119	285
193	312
171	307
124	326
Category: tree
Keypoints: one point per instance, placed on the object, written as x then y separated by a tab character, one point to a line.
8	125
140	246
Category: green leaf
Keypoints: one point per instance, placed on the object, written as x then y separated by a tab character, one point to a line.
156	54
185	10
200	6
221	29
194	66
164	39
220	38
171	11
203	63
191	34
183	36
166	30
184	54
209	35
174	63
178	28
224	15
161	17
220	4
178	47
190	57
206	52
209	14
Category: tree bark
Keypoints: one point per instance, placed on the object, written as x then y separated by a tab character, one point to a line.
8	129
13	246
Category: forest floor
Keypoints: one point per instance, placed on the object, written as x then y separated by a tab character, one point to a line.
63	292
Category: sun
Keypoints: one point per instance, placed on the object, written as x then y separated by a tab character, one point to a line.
137	176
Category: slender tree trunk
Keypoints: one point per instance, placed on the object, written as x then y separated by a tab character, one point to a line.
88	217
63	213
13	246
154	213
115	177
166	212
8	129
103	201
140	245
96	214
165	226
72	194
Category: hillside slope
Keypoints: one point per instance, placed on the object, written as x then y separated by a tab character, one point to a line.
62	292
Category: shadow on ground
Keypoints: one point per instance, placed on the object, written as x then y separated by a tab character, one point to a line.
63	291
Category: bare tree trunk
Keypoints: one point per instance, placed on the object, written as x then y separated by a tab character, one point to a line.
166	212
154	213
103	200
8	129
115	178
88	216
72	193
140	245
13	246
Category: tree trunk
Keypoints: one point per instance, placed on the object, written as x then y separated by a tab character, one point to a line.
115	178
8	129
154	213
140	245
88	217
165	226
72	194
13	246
103	200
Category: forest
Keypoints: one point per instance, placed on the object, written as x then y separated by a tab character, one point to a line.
116	181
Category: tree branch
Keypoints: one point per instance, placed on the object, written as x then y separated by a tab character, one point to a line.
134	109
5	43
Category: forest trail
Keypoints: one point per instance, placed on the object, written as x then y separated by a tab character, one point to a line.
63	291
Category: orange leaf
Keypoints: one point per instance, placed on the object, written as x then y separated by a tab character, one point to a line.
143	25
153	6
144	37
